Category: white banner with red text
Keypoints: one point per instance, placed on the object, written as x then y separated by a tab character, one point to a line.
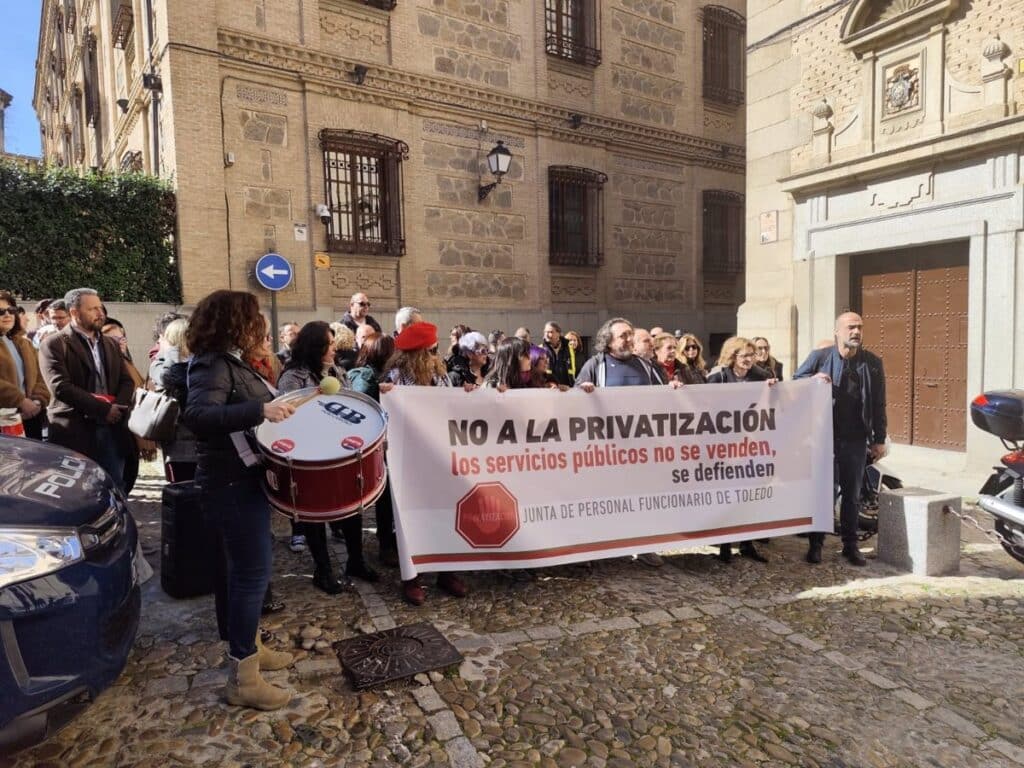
534	477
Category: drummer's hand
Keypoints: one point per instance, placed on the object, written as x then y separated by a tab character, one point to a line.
586	386
386	386
277	411
468	386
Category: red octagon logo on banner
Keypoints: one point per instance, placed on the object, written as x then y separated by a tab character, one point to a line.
488	516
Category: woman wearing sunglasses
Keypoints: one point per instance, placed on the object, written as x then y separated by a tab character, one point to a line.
763	357
21	386
690	365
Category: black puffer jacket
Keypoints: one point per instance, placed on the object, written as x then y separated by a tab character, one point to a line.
460	373
174	381
225	395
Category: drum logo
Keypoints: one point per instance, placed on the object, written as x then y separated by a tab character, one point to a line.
352	443
488	516
284	445
342	412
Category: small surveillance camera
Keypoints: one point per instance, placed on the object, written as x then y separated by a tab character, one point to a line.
324	213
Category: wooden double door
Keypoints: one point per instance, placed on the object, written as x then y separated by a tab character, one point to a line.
914	305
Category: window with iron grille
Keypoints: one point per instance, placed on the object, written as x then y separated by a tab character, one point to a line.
123	20
58	45
77	130
723	233
571	30
575	216
724	55
91	79
363	185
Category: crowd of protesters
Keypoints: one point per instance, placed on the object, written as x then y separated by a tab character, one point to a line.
71	380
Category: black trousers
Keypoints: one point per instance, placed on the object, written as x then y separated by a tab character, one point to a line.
849	460
316	539
34	426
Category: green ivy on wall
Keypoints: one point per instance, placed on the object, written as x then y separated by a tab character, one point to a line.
60	230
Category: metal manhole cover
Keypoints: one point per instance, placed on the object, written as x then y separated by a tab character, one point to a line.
394	653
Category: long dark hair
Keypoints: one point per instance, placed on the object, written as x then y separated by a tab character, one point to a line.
226	320
9	298
310	347
377	349
506	362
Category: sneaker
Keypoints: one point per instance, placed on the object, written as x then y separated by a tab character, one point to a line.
297	544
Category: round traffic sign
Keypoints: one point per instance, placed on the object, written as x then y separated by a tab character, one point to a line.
273	272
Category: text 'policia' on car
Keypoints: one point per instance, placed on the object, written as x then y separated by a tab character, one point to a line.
69	593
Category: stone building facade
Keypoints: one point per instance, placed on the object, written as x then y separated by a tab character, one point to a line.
241	101
884	141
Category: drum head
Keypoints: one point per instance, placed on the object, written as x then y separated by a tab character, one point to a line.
323	428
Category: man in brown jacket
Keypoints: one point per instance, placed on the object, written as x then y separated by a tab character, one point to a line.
91	389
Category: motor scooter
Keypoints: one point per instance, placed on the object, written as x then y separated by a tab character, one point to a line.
1001	414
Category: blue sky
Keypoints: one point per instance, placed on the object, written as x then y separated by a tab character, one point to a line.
19	21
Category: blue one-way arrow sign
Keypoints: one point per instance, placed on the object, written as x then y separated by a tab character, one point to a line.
273	272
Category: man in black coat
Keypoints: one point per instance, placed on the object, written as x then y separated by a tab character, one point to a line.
558	354
359	313
92	390
858	417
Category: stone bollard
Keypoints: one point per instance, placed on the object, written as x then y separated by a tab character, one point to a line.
916	533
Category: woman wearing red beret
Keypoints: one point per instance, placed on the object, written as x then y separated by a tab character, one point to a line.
416	363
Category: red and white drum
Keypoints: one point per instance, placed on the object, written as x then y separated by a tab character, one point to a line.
326	461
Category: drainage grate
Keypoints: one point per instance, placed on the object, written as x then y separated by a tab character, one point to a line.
394	653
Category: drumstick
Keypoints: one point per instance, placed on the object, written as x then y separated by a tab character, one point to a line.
299	401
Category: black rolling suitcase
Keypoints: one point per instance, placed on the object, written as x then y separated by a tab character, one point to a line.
187	548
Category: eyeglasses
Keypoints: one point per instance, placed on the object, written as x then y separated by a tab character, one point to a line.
688	347
8	311
762	349
362	304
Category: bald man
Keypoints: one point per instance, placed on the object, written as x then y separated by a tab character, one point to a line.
858	417
359	313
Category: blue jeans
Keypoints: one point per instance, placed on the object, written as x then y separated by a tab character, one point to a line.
239	516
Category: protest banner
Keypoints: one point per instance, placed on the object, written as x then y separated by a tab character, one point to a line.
534	477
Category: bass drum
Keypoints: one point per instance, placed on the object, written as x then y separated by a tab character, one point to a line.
326	461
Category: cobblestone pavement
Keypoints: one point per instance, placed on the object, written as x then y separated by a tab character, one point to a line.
693	664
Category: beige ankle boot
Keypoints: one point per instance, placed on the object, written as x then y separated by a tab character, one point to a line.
246	688
271	661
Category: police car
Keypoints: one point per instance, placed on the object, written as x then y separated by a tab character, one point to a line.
69	593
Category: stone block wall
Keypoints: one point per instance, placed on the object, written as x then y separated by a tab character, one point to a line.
248	85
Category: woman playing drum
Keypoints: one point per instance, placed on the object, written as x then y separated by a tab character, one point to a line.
226	399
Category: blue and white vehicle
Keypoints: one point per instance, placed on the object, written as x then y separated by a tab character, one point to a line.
69	593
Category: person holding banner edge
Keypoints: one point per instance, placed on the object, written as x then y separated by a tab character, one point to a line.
615	365
736	365
415	363
859	421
